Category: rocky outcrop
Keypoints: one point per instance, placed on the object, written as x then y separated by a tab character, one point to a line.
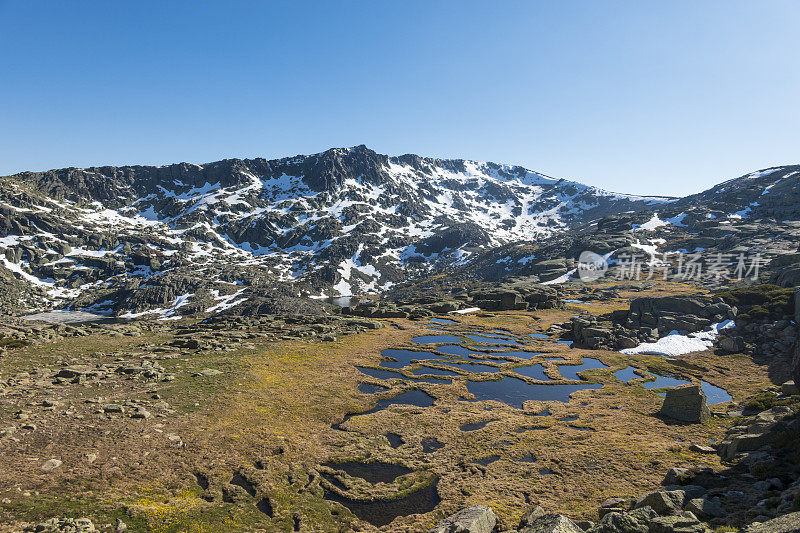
796	356
686	314
517	296
648	319
756	432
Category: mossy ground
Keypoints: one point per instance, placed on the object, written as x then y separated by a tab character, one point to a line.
269	417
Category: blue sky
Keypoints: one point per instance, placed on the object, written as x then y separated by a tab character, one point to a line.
640	97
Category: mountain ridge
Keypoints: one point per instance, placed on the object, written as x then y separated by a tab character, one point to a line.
346	221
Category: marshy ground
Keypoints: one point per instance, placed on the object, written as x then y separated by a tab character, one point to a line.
257	437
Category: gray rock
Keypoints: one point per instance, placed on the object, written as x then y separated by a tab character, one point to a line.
65	525
141	413
687	404
685	523
704	508
789	388
477	519
788	523
702	449
612	505
531	516
113	408
732	344
677	476
51	465
552	523
636	521
665	502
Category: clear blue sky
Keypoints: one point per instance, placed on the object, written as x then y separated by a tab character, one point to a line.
642	97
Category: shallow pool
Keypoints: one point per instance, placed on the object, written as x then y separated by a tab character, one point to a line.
571	371
435	339
383	512
514	392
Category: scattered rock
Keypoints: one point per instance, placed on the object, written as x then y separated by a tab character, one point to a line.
64	525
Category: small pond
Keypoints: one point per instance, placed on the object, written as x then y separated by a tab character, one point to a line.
474	426
489	339
514	392
383	512
434	372
371	472
436	339
366	388
404	357
533	371
431	444
571	371
715	394
388	374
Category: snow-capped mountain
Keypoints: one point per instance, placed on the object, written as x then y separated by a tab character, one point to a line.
755	216
188	238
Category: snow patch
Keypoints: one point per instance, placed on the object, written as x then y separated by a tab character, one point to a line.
676	344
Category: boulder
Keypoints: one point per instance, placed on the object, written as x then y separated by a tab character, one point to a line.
687	404
531	516
664	502
51	465
684	523
788	523
477	519
732	344
704	508
552	523
789	388
612	505
636	521
677	476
